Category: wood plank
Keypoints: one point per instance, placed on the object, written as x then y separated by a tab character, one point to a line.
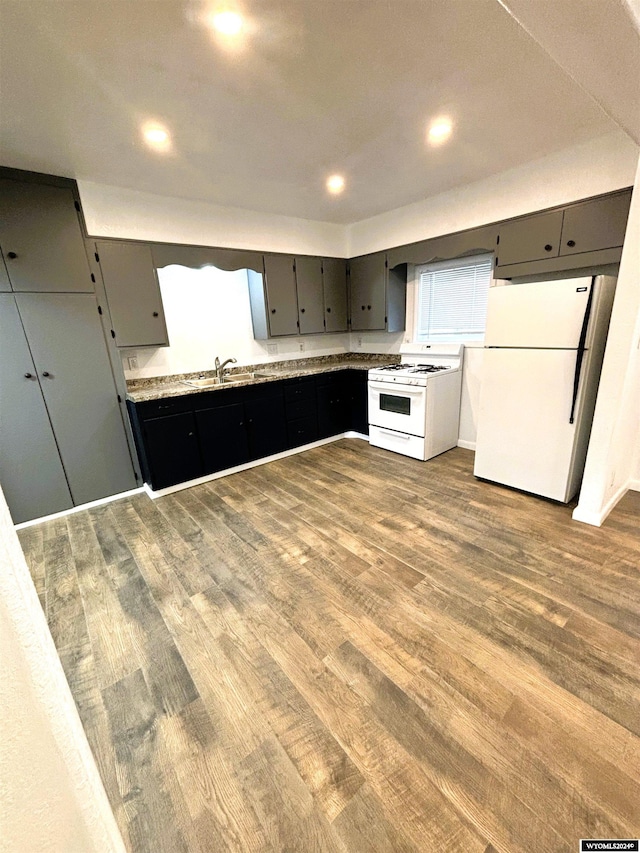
151	817
351	650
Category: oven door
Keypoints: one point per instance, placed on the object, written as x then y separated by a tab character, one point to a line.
399	407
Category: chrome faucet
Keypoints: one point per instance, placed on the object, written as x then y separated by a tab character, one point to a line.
220	367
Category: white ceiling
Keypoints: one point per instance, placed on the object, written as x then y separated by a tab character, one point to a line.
320	86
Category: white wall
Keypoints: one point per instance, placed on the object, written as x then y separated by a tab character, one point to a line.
208	315
611	465
128	214
595	167
52	799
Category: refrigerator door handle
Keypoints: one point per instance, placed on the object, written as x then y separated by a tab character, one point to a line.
580	355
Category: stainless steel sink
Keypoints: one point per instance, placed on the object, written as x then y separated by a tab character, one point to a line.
202	383
230	379
238	377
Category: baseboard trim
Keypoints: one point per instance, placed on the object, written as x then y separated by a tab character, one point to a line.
169	490
635	485
79	508
596	519
468	445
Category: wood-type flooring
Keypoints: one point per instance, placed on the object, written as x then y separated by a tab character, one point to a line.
349	650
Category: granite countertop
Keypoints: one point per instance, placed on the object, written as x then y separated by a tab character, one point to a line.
160	387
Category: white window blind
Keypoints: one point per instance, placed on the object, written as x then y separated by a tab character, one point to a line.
452	299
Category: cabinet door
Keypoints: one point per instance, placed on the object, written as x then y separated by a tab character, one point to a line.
593	225
368	277
41	238
266	426
172	449
31	472
530	238
282	304
133	294
5	286
223	437
334	284
310	301
70	355
358	398
333	404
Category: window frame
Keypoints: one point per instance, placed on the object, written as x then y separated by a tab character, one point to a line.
414	303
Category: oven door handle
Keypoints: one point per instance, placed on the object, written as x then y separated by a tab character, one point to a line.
389	387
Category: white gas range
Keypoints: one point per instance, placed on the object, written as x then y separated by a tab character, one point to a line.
414	406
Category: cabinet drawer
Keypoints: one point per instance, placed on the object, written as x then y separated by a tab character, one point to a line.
299	389
301	408
302	431
166	406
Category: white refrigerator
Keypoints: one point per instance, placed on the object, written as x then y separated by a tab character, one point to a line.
543	351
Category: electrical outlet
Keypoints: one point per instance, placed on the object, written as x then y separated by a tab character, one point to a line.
359	341
301	346
132	362
272	349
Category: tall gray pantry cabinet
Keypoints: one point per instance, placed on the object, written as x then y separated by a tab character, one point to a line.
62	437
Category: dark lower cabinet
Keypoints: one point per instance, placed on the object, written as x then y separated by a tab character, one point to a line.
224	441
301	410
332	394
359	401
182	438
266	425
302	431
172	450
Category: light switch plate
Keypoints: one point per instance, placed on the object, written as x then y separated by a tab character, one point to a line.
132	361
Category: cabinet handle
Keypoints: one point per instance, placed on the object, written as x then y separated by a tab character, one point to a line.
368	307
548	247
12	255
571	243
273	310
302	310
363	307
28	376
328	310
46	373
155	313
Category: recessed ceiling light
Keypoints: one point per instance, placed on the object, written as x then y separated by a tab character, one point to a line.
156	136
335	184
440	131
227	23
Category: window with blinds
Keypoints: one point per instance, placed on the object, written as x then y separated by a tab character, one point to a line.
451	299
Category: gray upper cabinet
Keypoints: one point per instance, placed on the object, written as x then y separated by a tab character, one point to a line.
5	286
133	293
41	238
597	224
585	234
70	356
378	294
310	296
33	479
531	238
368	278
280	287
273	299
334	285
